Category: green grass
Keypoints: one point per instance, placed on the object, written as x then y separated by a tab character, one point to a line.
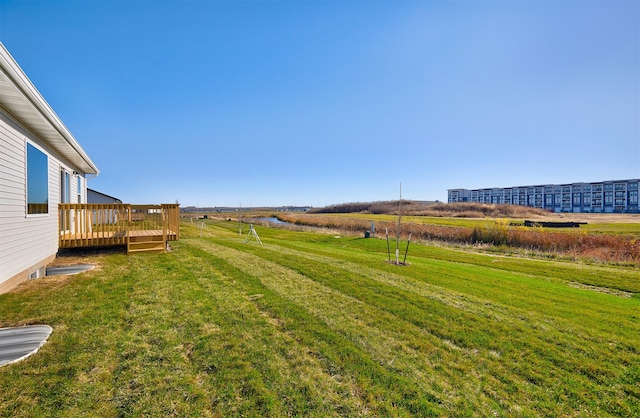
626	228
613	228
318	325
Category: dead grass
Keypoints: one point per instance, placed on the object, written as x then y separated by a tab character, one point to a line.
474	210
71	257
601	289
414	208
601	247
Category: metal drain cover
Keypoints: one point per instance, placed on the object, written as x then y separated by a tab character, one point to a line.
78	268
19	343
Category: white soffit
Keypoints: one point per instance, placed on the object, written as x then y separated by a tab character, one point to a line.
22	100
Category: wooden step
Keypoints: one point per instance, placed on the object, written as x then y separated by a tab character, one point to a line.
149	238
146	246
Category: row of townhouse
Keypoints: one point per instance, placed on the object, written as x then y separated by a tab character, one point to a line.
616	196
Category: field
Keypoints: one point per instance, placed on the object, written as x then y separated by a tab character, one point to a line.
600	238
313	324
598	224
471	215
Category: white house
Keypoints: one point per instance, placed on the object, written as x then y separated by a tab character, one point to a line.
41	165
94	196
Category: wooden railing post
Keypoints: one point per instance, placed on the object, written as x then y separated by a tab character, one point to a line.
165	220
87	224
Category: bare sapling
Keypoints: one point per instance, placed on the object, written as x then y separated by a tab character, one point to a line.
388	248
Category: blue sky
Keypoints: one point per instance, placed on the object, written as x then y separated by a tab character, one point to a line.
268	103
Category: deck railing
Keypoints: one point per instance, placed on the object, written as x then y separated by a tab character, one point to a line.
90	225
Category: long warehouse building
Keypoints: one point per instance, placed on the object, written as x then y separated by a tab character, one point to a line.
615	196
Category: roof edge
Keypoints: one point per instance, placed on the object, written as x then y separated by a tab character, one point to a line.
13	70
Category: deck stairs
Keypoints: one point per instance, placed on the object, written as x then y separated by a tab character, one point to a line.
147	244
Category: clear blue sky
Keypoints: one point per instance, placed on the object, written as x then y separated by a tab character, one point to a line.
227	103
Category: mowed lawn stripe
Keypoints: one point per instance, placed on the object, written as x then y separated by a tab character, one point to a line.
544	293
316	315
551	349
262	369
452	374
164	335
514	298
624	278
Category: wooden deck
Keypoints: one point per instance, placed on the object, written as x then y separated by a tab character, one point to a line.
139	227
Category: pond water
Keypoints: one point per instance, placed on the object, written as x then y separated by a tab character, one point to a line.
274	220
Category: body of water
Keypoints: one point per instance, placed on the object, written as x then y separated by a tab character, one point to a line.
274	220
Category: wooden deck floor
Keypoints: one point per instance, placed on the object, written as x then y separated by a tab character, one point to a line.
105	238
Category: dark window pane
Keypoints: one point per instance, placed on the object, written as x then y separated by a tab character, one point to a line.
37	181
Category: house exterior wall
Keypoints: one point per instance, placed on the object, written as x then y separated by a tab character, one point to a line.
29	131
28	242
615	196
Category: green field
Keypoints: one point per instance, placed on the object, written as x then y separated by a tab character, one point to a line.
626	228
321	325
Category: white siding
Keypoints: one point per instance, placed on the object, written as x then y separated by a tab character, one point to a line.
24	240
79	195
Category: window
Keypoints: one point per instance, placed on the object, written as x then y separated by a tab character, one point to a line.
37	181
79	190
608	198
65	187
633	197
576	199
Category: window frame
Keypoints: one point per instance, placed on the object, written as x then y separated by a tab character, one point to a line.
79	188
65	185
29	145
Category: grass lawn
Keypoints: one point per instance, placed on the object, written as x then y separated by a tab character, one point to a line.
629	225
319	325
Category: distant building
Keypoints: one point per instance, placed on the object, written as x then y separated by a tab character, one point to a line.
615	196
94	196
